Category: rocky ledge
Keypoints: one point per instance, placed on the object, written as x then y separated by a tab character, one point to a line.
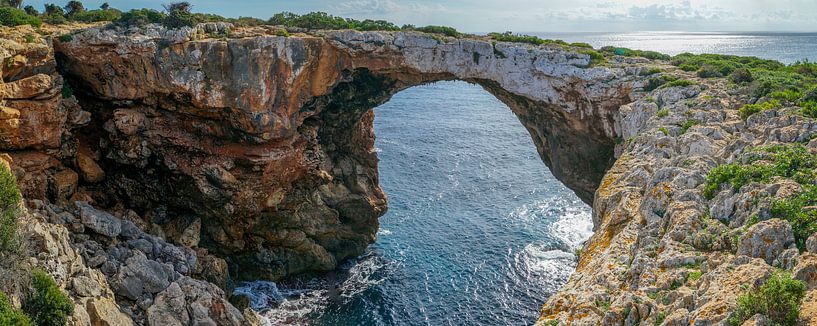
176	162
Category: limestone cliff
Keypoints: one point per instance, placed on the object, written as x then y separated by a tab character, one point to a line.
255	151
269	139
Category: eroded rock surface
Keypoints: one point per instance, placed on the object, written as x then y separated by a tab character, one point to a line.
256	152
269	139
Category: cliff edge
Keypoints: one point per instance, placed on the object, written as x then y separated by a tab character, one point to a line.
230	154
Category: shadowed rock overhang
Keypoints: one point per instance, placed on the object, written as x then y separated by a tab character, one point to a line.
269	139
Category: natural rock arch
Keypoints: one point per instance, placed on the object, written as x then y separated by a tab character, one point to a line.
269	140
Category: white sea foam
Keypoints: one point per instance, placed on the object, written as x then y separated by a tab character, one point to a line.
573	227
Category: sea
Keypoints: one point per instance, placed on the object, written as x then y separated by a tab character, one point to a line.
478	231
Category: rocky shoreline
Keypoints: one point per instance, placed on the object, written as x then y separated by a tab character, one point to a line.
162	166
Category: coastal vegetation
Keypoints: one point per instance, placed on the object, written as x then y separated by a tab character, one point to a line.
794	162
779	299
44	302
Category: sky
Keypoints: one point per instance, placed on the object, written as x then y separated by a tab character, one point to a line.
533	15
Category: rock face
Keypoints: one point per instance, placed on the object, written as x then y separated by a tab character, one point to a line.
256	152
269	139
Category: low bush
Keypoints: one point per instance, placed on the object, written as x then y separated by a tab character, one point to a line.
793	209
688	124
651	71
707	71
98	15
141	17
9	315
521	38
179	19
809	109
10	16
247	21
741	76
679	83
749	109
47	305
596	58
322	20
788	95
779	299
792	161
658	81
444	30
53	19
9	211
635	53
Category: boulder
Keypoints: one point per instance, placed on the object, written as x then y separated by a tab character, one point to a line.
105	312
140	276
767	240
192	302
89	169
811	244
99	221
806	270
65	184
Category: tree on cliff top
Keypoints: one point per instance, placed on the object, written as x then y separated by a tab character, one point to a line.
74	7
181	6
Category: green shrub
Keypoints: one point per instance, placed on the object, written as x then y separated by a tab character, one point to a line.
651	71
664	130
66	38
98	15
9	315
282	32
596	58
48	305
521	38
53	19
10	16
809	109
30	38
9	201
779	299
322	20
179	19
788	95
447	31
793	209
247	21
749	109
635	53
707	71
581	45
31	10
688	124
662	113
792	161
141	17
679	83
741	76
658	81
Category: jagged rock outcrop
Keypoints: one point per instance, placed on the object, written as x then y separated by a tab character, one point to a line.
269	139
88	251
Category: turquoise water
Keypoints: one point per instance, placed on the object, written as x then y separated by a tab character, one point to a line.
478	231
